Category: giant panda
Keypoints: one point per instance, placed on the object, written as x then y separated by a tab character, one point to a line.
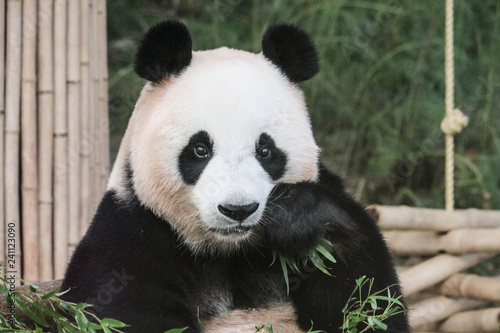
217	175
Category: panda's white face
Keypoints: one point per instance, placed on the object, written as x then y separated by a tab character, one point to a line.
207	147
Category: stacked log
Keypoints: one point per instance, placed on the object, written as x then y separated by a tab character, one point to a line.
441	297
53	125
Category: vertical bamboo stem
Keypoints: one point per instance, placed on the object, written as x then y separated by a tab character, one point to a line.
86	144
103	62
2	124
60	142
12	128
73	109
96	135
29	143
45	135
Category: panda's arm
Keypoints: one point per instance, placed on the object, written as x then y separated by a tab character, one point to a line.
299	217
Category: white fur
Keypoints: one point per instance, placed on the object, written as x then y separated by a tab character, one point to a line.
234	96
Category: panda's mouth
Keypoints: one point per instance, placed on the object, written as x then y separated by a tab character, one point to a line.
232	231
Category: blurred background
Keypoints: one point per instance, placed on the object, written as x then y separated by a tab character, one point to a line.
377	104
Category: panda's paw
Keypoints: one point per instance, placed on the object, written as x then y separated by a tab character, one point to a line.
296	218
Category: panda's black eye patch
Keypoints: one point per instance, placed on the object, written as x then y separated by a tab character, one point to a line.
272	159
195	157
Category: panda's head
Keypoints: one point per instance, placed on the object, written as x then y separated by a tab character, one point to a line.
214	131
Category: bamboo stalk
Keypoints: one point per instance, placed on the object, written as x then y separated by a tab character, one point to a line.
436	269
103	61
86	145
60	142
438	308
45	134
73	90
29	143
12	128
474	286
485	320
407	218
2	134
412	242
454	242
96	112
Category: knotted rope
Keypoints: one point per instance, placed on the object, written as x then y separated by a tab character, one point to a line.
455	120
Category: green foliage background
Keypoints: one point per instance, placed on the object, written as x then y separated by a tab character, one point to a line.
377	104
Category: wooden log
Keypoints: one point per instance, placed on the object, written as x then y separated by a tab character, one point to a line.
73	110
29	165
12	133
86	144
412	242
2	134
473	286
485	320
438	308
60	142
408	218
435	270
454	242
45	135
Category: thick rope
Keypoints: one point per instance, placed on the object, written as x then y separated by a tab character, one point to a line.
455	120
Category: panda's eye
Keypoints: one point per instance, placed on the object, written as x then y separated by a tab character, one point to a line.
263	152
200	150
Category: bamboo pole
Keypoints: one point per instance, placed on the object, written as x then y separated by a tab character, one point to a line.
454	242
436	269
104	124
2	134
86	145
438	308
45	135
473	286
408	218
485	320
12	129
60	142
29	143
96	112
73	110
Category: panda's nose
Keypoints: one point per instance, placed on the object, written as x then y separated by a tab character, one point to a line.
238	213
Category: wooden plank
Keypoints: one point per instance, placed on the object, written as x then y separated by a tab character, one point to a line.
2	134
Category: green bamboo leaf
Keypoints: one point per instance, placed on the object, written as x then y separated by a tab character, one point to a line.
51	293
106	329
4	290
177	330
325	253
36	317
285	273
113	323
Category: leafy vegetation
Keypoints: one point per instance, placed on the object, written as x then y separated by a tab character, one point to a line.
377	104
365	309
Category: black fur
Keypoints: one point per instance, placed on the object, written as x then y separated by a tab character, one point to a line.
275	163
165	50
133	267
190	165
292	51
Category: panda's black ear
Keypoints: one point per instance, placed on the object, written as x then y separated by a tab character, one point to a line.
292	51
165	50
